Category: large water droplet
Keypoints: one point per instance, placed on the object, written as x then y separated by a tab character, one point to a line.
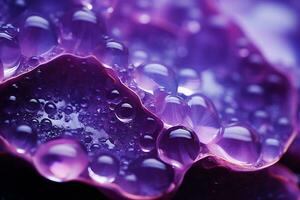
10	53
172	110
114	54
178	146
153	76
36	36
82	31
60	160
202	117
153	176
238	145
104	168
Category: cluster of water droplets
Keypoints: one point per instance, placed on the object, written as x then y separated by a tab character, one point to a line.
190	66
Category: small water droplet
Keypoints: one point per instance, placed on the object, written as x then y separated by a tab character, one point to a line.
104	168
147	143
33	105
50	108
125	112
69	110
46	124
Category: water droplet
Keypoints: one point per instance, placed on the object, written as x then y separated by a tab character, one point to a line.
82	31
104	168
271	150
35	123
202	117
189	82
178	146
147	143
95	147
60	160
239	145
113	55
36	36
24	138
50	108
88	139
10	53
252	97
69	110
46	124
150	125
33	105
260	117
283	126
125	112
153	76
172	110
11	105
153	176
113	96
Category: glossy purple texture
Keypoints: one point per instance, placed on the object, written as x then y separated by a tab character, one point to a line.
87	128
215	93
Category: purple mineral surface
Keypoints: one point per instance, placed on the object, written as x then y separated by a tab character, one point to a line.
127	96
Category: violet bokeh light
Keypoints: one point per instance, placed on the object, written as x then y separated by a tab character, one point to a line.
128	95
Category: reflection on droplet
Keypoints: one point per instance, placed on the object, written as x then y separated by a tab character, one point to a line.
202	117
153	176
189	82
50	108
36	36
271	150
172	110
60	160
33	105
238	145
125	112
24	138
147	143
10	54
104	168
82	31
46	124
151	77
178	146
